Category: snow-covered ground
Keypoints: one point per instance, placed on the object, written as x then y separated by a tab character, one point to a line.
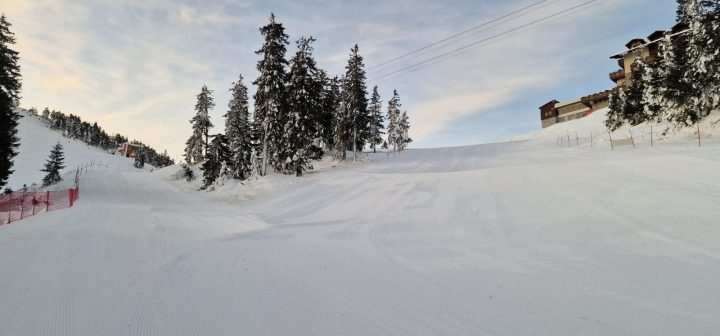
520	238
36	141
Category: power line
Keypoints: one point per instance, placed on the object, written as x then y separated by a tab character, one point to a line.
486	39
458	34
475	47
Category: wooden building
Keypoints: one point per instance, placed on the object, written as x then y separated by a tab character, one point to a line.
129	150
646	48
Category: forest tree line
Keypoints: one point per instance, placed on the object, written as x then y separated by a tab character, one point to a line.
299	112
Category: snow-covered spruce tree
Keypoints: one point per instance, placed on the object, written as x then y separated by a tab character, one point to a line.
238	132
9	95
341	125
376	120
404	131
304	104
703	70
270	97
196	146
633	111
140	160
329	97
652	93
393	116
216	158
614	118
674	89
355	101
54	164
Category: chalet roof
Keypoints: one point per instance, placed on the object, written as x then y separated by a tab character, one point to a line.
657	35
598	96
568	103
679	27
673	34
552	102
634	42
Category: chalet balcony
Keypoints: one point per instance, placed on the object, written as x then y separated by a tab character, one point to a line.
617	75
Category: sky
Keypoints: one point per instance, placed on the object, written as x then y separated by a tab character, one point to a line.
135	67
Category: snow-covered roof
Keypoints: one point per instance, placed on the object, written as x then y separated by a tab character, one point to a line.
568	103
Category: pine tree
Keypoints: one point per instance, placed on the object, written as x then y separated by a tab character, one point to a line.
304	104
330	97
140	160
614	118
393	116
217	157
682	15
376	120
238	131
403	132
10	86
270	97
633	111
355	101
703	70
652	93
53	166
341	124
197	145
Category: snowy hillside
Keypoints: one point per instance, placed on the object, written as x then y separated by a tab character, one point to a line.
36	140
593	126
519	238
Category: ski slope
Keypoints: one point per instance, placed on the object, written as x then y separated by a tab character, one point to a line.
36	141
520	238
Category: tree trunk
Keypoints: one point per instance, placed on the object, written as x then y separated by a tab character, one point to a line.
354	143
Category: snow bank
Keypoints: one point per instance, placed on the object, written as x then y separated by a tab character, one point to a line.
579	132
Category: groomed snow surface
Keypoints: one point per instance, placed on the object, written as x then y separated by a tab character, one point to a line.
519	238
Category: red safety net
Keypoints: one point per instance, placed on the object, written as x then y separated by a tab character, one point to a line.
20	205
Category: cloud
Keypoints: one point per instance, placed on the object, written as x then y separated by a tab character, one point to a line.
136	66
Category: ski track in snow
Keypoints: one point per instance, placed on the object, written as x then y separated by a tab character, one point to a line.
500	239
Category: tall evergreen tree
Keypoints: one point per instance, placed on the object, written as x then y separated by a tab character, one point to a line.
703	70
216	159
355	101
270	97
342	134
614	119
330	97
634	111
304	104
393	116
10	86
404	131
54	164
197	145
238	131
376	120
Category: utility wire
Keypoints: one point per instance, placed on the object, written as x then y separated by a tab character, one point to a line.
475	47
458	34
486	39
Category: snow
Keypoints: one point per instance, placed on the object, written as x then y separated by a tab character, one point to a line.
517	238
36	141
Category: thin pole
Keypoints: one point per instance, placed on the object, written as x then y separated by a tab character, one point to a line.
612	147
568	136
631	138
591	140
577	139
652	143
698	127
